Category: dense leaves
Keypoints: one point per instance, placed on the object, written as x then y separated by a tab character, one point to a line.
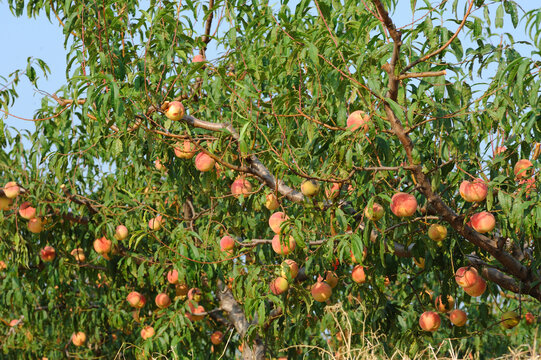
269	103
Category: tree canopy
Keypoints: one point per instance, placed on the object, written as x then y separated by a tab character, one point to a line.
196	146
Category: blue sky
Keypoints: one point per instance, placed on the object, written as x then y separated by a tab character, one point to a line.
23	37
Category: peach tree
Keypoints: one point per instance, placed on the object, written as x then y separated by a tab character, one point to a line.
220	179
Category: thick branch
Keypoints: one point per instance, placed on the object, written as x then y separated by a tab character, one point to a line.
255	166
236	316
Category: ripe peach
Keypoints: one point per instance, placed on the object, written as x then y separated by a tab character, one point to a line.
510	319
172	276
444	308
136	299
15	322
217	337
437	232
458	317
186	150
3	265
156	223
309	188
279	285
195	294
203	162
354	260
78	338
475	191
403	204
478	288
102	245
358	119
321	291
47	254
466	276
375	213
499	150
27	211
331	278
35	225
147	332
175	111
333	191
121	232
529	318
281	246
196	313
78	254
429	321
227	243
12	190
5	203
528	184
521	169
198	58
483	222
241	186
276	220
289	269
358	274
162	300
271	202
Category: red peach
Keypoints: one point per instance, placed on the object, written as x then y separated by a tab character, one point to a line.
121	232
147	332
12	190
521	169
156	223
186	150
276	220
475	191
529	318
78	338
281	246
78	254
279	285
158	165
321	291
466	276
196	313
175	111
227	243
27	211
477	289
499	150
458	317
358	274
217	337
172	277
483	222
47	254
136	299
403	204
35	225
289	267
162	300
429	321
102	245
203	162
198	58
358	119
333	191
241	186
